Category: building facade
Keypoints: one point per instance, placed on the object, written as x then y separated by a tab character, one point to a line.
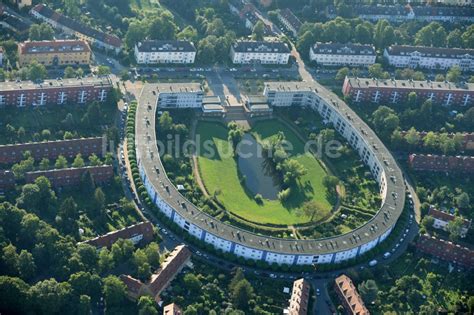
165	51
242	243
290	21
333	54
55	53
349	297
77	29
13	153
55	92
7	180
442	163
429	57
140	233
366	90
442	219
177	95
259	52
68	177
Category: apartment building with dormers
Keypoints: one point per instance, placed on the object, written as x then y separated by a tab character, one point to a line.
247	52
165	51
335	54
436	58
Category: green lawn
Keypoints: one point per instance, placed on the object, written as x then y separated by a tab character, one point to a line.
220	173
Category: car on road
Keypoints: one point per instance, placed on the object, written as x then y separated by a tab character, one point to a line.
318	292
372	263
386	255
232	69
273	276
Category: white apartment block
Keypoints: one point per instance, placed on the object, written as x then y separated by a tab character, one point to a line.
333	54
429	57
176	95
259	52
442	219
165	51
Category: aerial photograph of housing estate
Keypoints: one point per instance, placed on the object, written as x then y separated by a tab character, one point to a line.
194	157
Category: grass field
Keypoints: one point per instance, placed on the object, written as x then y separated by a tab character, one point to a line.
220	174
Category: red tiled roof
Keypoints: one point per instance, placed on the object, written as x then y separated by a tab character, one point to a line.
133	285
441	163
169	268
299	298
351	299
446	250
144	229
444	216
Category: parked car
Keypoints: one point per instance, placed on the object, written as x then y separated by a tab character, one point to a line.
372	263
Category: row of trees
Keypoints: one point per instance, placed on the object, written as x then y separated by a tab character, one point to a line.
431	142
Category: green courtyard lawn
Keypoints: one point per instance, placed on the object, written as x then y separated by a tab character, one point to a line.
220	175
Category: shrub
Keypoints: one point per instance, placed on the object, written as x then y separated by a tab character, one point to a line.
258	199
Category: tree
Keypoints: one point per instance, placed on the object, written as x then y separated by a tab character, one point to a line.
427	222
114	291
192	283
146	306
44	164
330	182
342	74
84	306
258	31
242	293
15	296
431	140
61	162
106	261
36	71
463	200
86	283
310	209
152	252
50	297
103	70
368	289
385	120
10	260
166	122
432	34
99	198
68	216
94	160
41	31
69	72
292	171
78	161
376	71
26	265
454	74
454	228
454	39
468	37
412	137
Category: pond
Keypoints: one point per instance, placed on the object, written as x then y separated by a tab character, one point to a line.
259	176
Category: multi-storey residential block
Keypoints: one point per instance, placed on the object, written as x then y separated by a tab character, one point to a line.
55	52
400	13
445	250
178	95
165	51
334	54
290	21
7	180
350	298
54	92
142	233
72	27
299	298
245	52
14	23
13	153
67	177
159	281
396	91
429	57
442	219
441	163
